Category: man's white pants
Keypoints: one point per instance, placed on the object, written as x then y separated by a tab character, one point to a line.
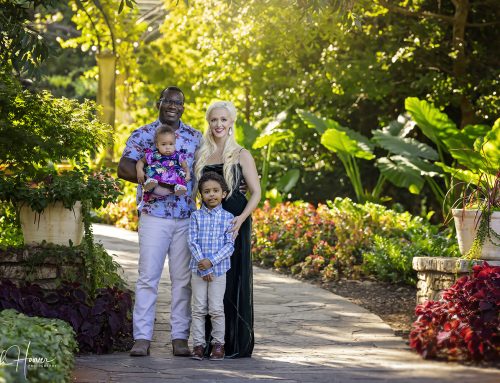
157	237
208	298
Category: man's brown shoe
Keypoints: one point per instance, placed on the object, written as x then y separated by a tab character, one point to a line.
198	352
180	347
140	348
217	352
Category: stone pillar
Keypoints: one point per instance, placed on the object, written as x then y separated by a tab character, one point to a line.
436	274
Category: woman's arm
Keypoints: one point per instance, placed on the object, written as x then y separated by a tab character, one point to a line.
185	167
253	183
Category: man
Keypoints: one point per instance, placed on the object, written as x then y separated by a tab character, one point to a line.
163	228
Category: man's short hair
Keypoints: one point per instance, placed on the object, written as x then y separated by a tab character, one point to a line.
172	89
213	176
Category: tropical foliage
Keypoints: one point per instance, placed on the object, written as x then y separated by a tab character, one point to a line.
357	66
408	162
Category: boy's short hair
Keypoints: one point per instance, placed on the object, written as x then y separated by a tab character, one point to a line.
162	129
213	176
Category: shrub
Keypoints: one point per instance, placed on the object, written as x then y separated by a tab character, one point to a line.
5	375
9	227
390	259
345	239
285	235
48	186
101	324
123	212
465	324
37	128
50	344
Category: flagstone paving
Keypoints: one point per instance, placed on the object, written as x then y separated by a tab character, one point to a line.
302	334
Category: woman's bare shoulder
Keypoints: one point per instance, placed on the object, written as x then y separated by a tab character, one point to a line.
245	155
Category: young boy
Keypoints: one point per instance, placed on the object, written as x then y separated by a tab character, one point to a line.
211	246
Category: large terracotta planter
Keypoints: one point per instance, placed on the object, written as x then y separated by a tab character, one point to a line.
466	223
55	224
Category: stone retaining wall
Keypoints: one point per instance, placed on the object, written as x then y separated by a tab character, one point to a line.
436	274
29	264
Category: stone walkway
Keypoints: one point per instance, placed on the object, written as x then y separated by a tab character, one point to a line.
303	334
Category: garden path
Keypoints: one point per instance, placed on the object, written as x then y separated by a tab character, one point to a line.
303	334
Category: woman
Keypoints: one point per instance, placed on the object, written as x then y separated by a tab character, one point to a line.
219	152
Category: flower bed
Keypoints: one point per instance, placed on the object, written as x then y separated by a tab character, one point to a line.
45	346
346	239
121	214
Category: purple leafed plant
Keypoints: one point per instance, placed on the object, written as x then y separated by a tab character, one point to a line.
101	325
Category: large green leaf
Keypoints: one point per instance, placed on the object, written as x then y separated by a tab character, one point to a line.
491	148
473	132
338	141
271	139
288	181
404	146
460	174
426	168
245	134
401	173
272	133
436	125
468	158
400	127
313	121
323	124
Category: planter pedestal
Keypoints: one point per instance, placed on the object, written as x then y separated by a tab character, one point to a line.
436	274
55	224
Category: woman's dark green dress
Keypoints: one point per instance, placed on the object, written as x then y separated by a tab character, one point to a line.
238	299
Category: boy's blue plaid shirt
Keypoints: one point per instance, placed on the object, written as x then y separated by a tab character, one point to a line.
209	237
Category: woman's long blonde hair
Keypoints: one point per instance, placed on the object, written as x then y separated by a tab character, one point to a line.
230	153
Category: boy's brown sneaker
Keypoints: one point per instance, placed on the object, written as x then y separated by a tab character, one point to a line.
217	352
198	352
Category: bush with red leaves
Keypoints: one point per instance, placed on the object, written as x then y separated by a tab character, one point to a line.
464	325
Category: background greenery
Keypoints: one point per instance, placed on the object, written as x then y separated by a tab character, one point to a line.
354	62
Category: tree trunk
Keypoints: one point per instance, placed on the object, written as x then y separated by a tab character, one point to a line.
248	103
462	8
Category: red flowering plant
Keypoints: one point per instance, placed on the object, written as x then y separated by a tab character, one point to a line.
465	324
48	186
285	235
334	240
